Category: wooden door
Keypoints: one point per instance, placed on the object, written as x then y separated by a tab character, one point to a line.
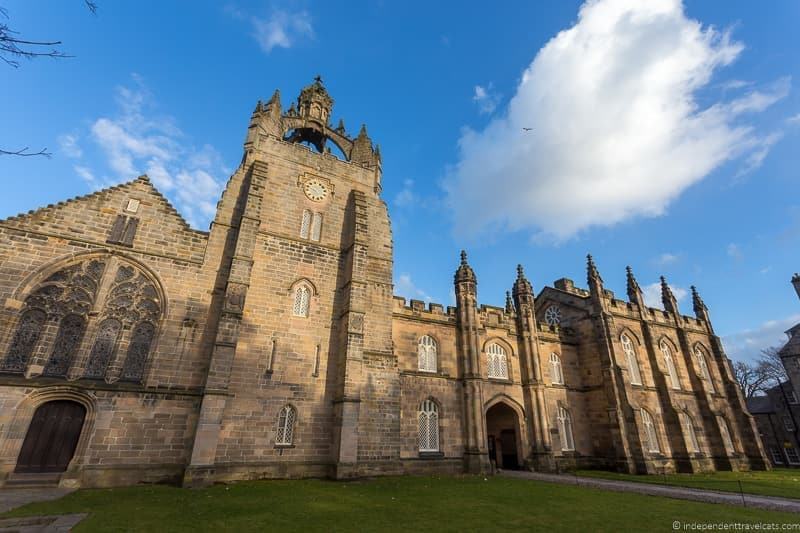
52	437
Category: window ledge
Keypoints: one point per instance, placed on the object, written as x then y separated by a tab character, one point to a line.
284	446
501	380
431	455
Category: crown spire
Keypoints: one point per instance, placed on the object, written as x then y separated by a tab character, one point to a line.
509	303
522	286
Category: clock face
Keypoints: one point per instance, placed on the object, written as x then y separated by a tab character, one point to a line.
315	190
552	315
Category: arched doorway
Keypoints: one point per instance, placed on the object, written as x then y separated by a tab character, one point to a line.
52	437
502	429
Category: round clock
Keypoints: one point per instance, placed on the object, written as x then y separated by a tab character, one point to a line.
552	315
315	190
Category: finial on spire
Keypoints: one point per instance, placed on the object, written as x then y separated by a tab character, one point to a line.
465	272
318	79
591	270
520	272
276	97
509	303
796	283
340	127
634	291
667	298
363	131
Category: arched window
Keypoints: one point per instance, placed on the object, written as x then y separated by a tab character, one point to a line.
428	426
702	364
68	340
316	226
725	433
286	419
497	362
650	432
556	373
426	350
301	300
633	363
139	348
24	341
673	372
305	224
105	345
689	435
565	429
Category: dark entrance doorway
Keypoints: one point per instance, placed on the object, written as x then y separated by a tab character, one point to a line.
52	437
502	429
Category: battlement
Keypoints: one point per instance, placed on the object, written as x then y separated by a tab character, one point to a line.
419	309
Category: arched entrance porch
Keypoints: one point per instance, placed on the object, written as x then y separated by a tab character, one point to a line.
504	436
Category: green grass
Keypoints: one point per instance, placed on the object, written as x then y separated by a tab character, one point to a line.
783	482
387	504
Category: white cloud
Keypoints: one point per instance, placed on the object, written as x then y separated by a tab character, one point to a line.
282	29
735	252
765	270
652	294
794	119
617	130
486	98
405	286
69	145
747	344
667	258
406	196
136	141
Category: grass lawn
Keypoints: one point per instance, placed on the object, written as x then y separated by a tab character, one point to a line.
783	482
387	504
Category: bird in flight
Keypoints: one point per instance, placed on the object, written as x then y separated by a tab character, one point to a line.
527	129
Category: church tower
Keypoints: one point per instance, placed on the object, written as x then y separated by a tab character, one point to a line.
302	373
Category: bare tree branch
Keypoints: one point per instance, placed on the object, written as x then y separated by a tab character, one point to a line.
13	48
753	378
25	153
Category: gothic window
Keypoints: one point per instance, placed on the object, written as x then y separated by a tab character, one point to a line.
428	425
68	340
286	420
777	456
102	353
791	454
552	315
138	350
316	226
702	364
788	423
650	433
302	297
305	225
725	433
633	363
22	345
689	435
426	351
565	429
497	362
670	363
556	372
792	396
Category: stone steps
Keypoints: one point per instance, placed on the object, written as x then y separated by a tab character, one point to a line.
44	479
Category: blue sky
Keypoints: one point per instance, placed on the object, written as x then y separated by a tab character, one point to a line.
664	136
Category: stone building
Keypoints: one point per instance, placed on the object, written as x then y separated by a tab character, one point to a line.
777	413
136	349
